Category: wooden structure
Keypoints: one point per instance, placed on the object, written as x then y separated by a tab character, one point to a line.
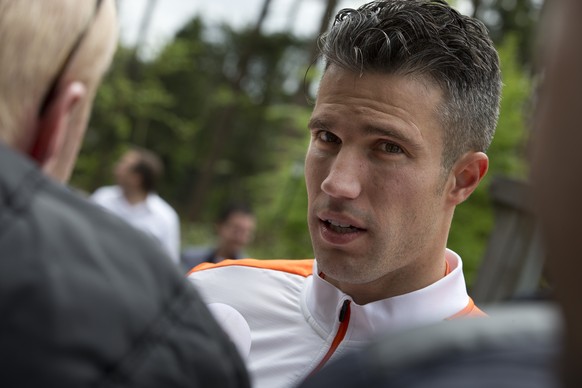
513	263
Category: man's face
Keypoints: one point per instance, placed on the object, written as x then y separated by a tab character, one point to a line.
236	232
376	188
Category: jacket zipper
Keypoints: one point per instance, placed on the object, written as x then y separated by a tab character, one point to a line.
344	320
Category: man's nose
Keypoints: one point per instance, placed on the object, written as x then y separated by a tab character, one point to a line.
344	179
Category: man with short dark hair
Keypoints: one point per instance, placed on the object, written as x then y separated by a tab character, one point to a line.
85	300
234	228
532	342
135	200
406	108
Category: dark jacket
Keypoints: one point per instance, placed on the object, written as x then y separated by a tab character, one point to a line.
86	300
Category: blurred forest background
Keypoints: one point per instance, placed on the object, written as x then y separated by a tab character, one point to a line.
227	109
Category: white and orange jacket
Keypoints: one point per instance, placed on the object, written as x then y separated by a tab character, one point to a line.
298	321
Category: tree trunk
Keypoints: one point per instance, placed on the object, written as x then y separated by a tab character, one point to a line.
247	54
303	92
140	124
224	125
476	6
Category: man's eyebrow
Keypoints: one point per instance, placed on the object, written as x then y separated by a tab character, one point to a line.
394	134
389	132
316	123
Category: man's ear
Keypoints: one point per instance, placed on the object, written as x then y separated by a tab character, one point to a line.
53	124
467	174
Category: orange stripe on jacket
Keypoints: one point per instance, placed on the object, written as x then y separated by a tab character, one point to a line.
469	311
296	267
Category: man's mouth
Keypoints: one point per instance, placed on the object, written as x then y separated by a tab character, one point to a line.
338	227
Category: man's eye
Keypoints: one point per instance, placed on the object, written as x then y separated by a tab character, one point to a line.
391	148
328	137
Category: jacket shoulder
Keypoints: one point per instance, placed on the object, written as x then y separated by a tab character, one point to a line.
296	267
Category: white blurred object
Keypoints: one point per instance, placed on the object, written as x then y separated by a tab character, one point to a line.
233	323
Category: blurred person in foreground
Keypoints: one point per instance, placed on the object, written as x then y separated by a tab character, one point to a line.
557	180
235	228
85	300
406	108
135	200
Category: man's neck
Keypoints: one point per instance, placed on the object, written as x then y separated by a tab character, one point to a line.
399	282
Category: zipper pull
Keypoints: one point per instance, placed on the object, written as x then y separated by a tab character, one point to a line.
343	310
344	318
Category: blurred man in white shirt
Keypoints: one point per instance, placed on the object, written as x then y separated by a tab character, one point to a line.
134	199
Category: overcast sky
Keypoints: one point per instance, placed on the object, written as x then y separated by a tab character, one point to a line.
171	15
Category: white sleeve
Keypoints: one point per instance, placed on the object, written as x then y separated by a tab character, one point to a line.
172	240
97	195
234	324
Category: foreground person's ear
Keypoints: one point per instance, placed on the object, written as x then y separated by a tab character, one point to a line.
53	125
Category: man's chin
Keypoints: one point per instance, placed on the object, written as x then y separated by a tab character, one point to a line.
338	267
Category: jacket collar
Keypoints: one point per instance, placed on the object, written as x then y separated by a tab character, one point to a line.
322	302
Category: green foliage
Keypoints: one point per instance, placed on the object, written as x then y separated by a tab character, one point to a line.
474	219
281	192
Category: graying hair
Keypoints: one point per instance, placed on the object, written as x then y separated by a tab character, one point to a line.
426	38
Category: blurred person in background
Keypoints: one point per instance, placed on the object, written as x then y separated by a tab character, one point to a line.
234	228
135	200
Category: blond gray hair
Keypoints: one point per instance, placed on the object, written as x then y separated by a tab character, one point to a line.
36	37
